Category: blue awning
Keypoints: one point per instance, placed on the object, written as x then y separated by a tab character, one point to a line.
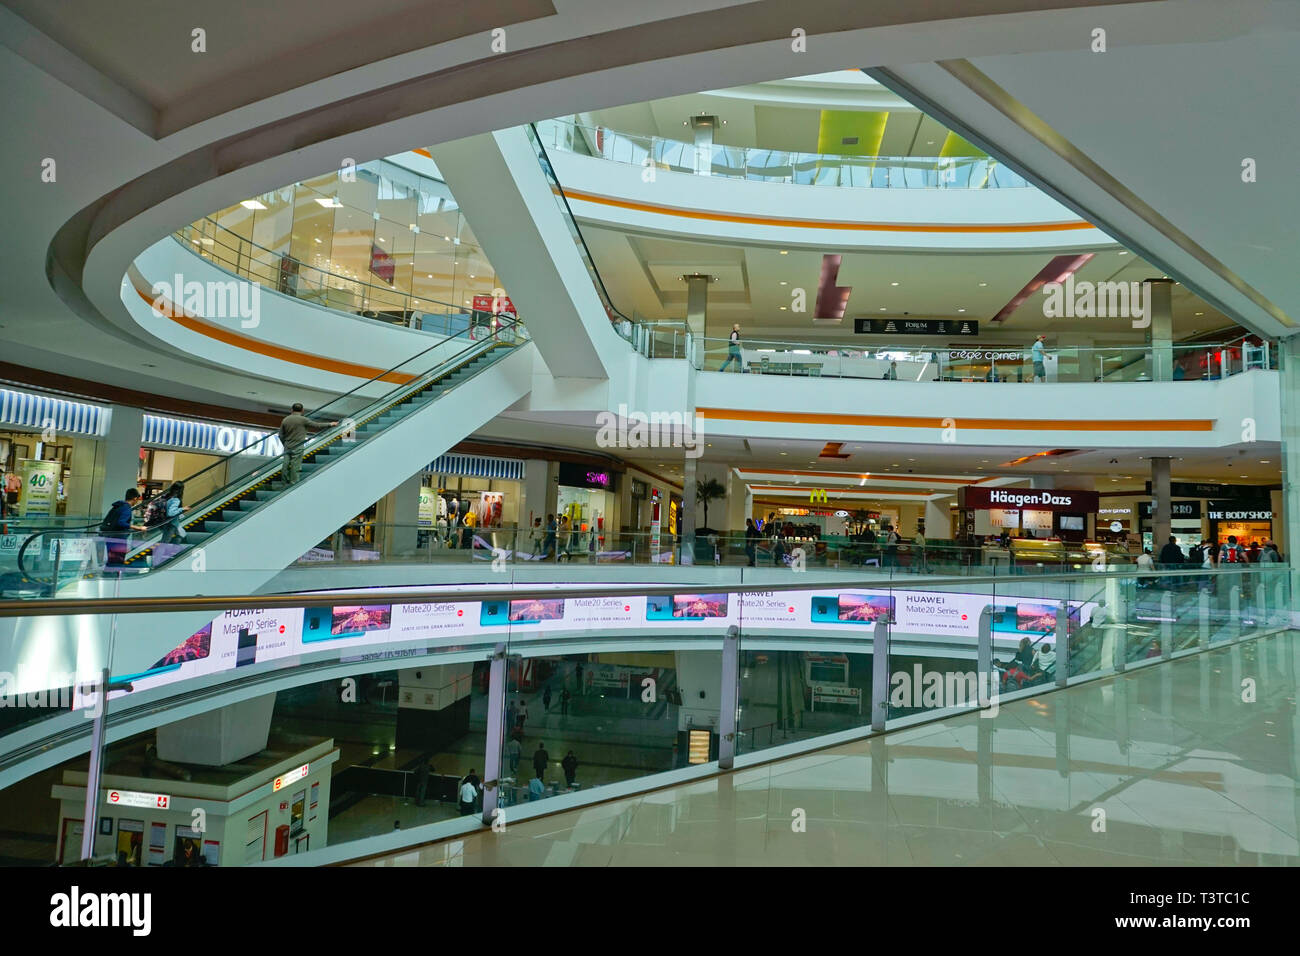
43	411
477	466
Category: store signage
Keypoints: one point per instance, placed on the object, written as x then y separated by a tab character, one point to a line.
1030	499
984	355
638	490
1193	489
584	476
293	776
1117	526
40	486
1125	512
1239	511
916	326
497	305
1180	509
134	798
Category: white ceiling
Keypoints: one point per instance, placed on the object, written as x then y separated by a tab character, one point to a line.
643	275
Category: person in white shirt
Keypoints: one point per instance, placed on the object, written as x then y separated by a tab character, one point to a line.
1145	562
468	794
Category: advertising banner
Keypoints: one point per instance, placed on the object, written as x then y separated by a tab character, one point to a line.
40	486
391	628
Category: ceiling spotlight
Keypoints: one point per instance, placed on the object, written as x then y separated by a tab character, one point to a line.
785	252
893	283
1122	253
983	283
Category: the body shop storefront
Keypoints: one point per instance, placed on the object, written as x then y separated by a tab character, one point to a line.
1250	522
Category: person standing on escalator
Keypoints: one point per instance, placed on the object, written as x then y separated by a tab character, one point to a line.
293	435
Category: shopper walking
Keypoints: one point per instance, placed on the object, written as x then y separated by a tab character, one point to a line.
293	435
522	716
1039	355
751	542
538	535
513	752
1171	556
165	512
733	351
549	548
540	759
468	794
546	699
570	766
564	702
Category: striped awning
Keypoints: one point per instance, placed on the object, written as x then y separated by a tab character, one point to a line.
208	437
43	411
477	466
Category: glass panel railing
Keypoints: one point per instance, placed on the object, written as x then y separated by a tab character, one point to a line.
908	363
333	290
780	166
389	701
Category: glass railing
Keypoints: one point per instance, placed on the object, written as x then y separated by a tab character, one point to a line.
780	166
56	561
910	363
563	693
388	239
332	290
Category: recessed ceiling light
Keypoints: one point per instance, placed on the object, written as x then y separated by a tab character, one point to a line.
1200	313
882	308
783	282
961	310
785	252
1263	461
251	204
1123	253
983	283
893	283
783	454
783	308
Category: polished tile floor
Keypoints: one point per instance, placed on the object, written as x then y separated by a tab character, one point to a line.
1188	763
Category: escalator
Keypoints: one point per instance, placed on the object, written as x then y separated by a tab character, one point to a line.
378	438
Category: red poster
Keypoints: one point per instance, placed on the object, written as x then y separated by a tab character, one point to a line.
497	306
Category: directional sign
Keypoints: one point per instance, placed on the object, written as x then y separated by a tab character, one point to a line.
133	798
293	776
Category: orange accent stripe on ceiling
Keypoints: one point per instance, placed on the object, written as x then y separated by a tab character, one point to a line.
883	476
292	356
825	223
863	492
423	152
993	424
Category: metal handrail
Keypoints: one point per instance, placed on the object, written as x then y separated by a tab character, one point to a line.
153	605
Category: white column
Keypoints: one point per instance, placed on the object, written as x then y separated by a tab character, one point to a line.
1162	330
1289	370
938	518
399	515
540	491
117	460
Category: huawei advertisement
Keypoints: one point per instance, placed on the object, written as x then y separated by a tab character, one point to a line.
240	639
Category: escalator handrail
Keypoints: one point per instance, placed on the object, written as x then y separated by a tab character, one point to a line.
202	509
549	169
150	536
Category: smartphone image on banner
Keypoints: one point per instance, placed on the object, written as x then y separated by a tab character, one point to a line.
494	612
247	652
826	608
535	610
866	608
685	607
316	623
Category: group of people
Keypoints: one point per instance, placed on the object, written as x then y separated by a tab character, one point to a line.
163	511
1030	664
1209	554
561	538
